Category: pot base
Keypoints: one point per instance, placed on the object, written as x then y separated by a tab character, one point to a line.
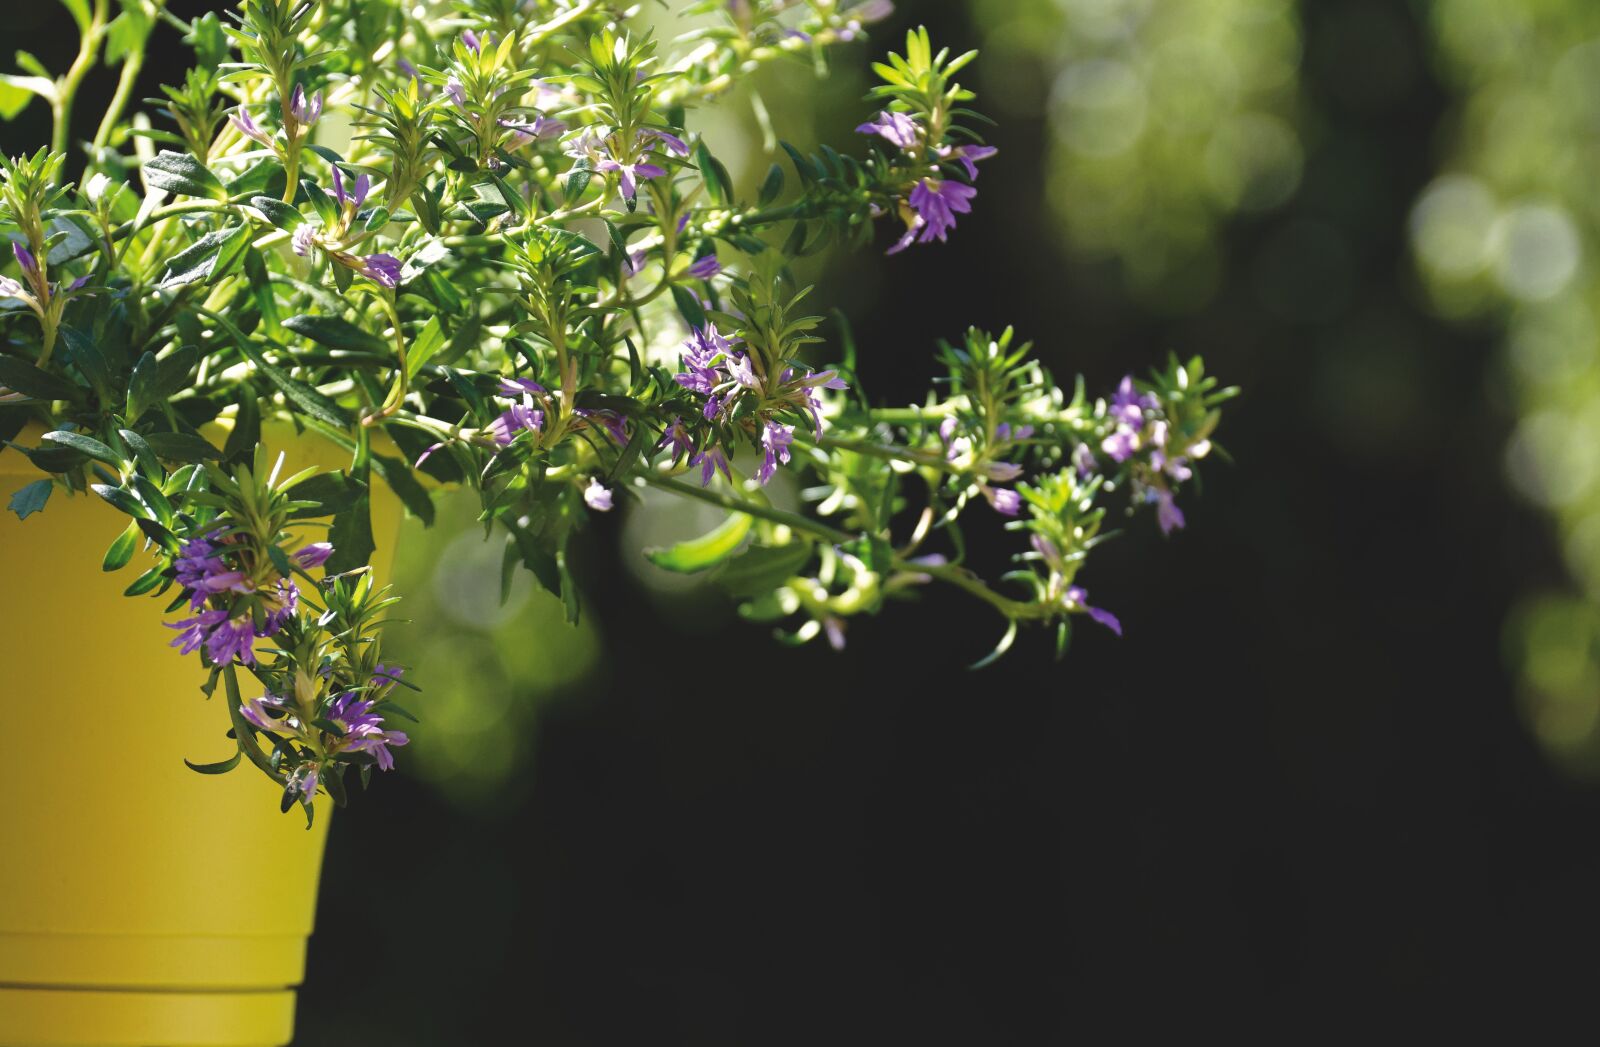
119	1018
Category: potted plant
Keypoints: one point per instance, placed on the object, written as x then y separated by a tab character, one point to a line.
369	249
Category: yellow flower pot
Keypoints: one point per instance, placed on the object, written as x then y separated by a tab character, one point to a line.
141	904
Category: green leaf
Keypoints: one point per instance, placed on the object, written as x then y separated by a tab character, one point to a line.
329	493
87	445
22	377
142	386
144	583
427	342
772	185
53	459
708	550
302	396
689	307
17	91
174	371
122	500
351	535
578	179
208	257
79	9
142	452
245	435
762	568
999	649
121	550
284	216
569	587
336	333
30	498
718	185
181	447
182	173
126	34
534	557
220	767
84	354
401	481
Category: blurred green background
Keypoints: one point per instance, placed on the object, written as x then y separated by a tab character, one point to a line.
1346	752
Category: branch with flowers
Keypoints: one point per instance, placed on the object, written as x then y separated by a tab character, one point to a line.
521	274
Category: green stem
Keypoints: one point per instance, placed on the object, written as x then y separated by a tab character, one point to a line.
968	582
243	733
131	67
793	521
890	452
67	88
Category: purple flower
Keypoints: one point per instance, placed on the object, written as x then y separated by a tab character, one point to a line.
1120	445
614	424
1168	515
697	379
1005	472
704	268
305	113
470	38
452	87
802	393
775	441
233	636
313	555
1076	597
743	371
937	202
833	629
282	606
968	156
1003	500
676	437
192	632
259	713
514	387
363	729
898	128
9	288
630	174
244	125
710	461
1083	459
386	675
202	572
597	496
672	142
303	239
1128	404
382	269
30	265
864	14
304	778
540	127
517	418
633	263
353	200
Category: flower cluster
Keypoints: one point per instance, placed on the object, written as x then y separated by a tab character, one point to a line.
236	593
918	124
341	725
525	277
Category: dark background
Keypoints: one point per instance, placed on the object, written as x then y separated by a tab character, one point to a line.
1298	786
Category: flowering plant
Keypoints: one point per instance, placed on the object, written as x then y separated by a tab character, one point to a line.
481	245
